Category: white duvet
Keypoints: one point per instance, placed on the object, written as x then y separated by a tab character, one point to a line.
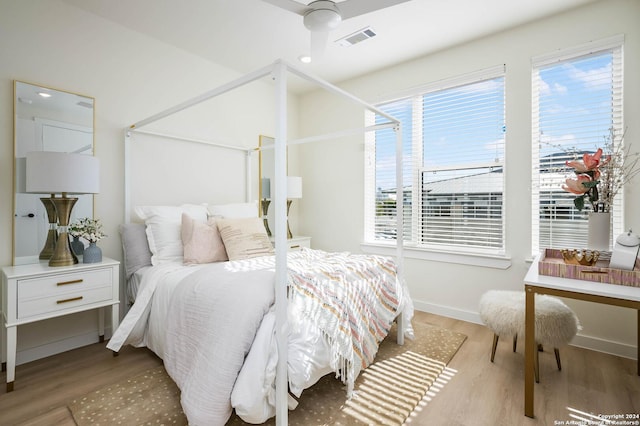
218	343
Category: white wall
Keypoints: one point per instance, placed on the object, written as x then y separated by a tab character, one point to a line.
332	207
131	77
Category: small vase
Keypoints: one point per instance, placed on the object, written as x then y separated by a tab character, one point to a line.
599	231
92	254
77	246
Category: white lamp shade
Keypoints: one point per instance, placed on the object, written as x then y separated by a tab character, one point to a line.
294	187
51	172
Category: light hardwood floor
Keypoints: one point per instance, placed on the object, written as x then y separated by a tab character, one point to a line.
476	393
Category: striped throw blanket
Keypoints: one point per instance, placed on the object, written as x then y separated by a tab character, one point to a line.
353	299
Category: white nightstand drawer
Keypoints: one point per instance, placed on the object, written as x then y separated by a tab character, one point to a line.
37	296
63	301
296	243
63	283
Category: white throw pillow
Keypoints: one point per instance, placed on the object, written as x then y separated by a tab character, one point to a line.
234	210
163	229
244	238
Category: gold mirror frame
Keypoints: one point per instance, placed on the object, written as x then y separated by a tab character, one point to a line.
45	123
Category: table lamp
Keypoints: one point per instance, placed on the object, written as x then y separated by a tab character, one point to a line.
62	173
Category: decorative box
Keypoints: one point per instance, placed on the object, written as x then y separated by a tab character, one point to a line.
551	263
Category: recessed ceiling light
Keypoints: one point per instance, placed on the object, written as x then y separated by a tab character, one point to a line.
44	94
305	59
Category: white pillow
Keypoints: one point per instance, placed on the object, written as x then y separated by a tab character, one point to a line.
244	238
234	210
163	229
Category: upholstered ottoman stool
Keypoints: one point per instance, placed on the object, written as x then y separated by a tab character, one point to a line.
503	313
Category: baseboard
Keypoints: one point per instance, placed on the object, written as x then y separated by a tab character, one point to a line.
38	352
607	346
582	341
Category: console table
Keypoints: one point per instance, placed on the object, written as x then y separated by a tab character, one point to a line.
609	294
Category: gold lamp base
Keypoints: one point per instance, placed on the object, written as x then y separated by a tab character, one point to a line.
264	203
289	234
52	235
63	255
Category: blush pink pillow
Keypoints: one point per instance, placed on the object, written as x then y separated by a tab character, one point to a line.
202	242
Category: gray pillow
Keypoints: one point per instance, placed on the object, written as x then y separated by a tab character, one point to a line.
135	247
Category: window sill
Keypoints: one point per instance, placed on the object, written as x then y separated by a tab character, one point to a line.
473	259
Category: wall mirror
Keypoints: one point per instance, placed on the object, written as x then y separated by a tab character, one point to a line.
45	119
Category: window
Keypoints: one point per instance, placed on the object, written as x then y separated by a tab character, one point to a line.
453	147
576	101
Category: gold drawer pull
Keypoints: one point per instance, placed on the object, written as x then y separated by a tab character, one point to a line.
70	282
296	246
73	299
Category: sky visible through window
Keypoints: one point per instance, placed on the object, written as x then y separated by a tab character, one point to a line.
575	114
575	105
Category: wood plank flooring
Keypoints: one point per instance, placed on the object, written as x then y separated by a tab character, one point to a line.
476	393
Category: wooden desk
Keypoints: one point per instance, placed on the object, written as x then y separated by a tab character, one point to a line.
609	294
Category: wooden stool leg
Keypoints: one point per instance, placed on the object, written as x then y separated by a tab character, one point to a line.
495	345
515	342
536	367
557	352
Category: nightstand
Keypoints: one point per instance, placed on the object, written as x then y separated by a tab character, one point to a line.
296	243
38	292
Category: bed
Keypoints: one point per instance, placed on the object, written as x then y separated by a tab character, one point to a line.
213	323
251	331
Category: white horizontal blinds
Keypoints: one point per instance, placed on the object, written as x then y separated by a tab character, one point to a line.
384	218
577	99
453	140
463	164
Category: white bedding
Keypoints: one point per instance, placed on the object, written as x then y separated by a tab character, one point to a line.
191	344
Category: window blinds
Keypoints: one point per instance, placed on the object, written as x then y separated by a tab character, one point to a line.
463	164
453	138
576	101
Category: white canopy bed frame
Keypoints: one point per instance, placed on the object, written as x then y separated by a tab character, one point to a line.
278	71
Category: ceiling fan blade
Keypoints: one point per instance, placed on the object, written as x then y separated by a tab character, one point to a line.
290	5
318	44
352	8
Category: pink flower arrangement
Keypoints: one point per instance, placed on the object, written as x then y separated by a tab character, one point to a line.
585	184
598	180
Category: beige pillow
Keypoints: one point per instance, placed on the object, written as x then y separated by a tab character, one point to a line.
201	241
244	238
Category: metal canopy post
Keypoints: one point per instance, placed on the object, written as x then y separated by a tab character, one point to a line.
399	224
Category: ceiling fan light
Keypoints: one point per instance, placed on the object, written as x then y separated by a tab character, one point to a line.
322	19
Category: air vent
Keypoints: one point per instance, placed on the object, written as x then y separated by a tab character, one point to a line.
357	37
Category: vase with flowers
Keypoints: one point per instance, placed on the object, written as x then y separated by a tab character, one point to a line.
75	231
90	230
598	177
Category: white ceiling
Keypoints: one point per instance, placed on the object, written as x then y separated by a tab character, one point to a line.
245	35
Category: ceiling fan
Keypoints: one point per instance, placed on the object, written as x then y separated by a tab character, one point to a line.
322	16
